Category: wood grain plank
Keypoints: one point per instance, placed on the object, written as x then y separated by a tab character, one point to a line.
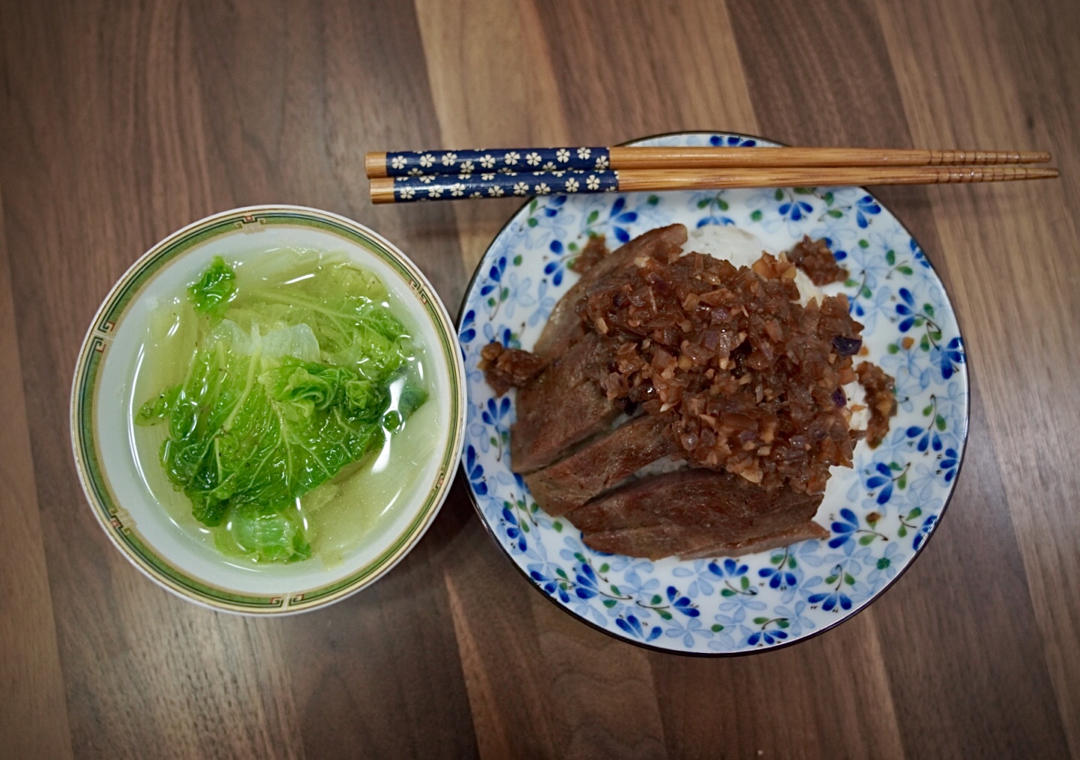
820	698
541	683
467	64
514	712
632	69
607	701
963	653
485	97
142	669
379	674
201	684
855	100
990	73
300	105
701	63
480	95
30	666
493	737
299	92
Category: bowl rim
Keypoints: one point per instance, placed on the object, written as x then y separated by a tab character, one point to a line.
115	520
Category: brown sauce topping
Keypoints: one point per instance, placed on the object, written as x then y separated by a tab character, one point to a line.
815	258
753	378
593	251
880	398
506	368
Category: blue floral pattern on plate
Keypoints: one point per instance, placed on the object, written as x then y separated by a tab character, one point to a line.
879	513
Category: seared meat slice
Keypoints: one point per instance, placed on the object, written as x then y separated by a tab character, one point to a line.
563	406
685	542
690	512
579	362
601	464
564	327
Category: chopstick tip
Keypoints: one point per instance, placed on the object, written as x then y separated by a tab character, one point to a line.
382	190
375	163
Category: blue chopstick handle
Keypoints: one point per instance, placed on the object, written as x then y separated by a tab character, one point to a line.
408	162
445	187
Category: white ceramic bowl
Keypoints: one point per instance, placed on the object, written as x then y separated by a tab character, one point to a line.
102	395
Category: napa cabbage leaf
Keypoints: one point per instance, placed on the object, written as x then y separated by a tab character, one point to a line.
213	291
286	387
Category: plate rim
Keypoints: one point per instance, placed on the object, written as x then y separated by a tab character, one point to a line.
744	652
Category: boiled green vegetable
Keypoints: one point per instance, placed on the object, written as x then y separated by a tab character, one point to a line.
289	384
213	291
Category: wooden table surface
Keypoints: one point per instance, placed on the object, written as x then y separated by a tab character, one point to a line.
122	121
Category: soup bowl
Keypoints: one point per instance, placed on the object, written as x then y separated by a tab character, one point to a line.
119	481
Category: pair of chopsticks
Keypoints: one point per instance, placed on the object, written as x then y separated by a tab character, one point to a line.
405	176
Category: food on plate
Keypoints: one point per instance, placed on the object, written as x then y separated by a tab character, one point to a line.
815	258
272	392
696	513
508	368
689	396
880	399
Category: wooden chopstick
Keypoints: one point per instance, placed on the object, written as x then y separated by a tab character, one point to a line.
406	163
498	184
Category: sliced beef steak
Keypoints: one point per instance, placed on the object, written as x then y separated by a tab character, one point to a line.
563	406
657	541
564	327
730	373
601	464
721	546
689	512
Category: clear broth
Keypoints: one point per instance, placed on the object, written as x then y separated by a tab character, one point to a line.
360	501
